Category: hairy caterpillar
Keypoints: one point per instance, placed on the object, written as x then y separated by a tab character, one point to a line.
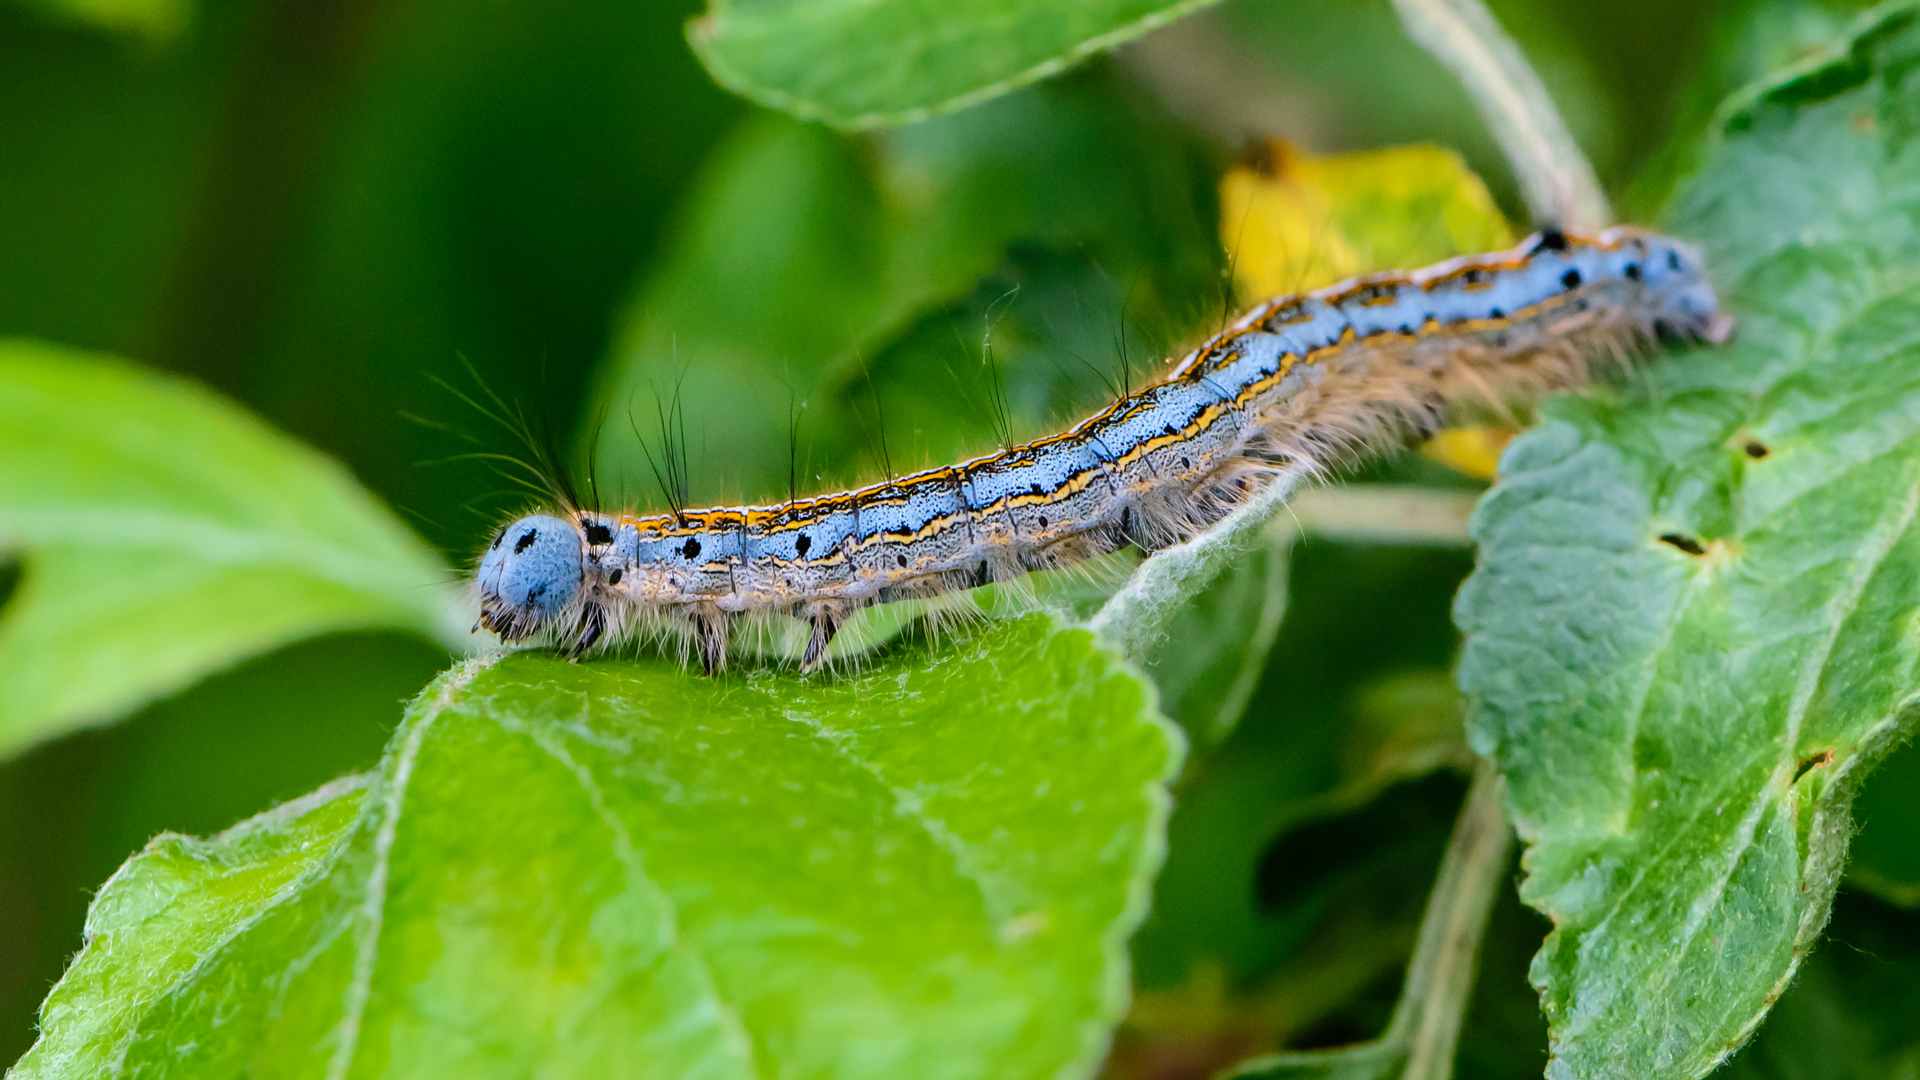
1300	379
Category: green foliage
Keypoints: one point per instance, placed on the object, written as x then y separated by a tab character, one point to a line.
165	535
928	869
153	19
929	866
1884	859
1694	627
72	810
898	61
836	299
1299	850
1849	1013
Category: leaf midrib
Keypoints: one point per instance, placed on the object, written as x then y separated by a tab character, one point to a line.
733	1021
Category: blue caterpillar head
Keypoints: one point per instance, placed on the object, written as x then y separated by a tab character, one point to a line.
1685	304
529	576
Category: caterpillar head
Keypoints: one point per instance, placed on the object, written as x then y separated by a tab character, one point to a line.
529	577
1676	277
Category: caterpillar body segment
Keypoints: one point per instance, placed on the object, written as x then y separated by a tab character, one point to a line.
1305	379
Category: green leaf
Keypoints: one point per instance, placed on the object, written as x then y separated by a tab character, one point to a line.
900	61
1696	622
164	535
1849	1014
1886	854
612	869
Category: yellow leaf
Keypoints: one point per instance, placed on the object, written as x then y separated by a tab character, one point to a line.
1294	222
1474	450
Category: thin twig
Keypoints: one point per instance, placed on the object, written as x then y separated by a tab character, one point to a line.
1387	514
1440	977
1554	175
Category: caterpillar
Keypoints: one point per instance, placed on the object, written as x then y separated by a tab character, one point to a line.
1302	379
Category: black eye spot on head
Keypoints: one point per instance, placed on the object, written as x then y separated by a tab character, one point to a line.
495	546
1551	239
690	549
1478	276
1756	449
802	544
1673	260
618	573
1633	271
1496	313
526	540
597	533
1043	520
1570	279
902	560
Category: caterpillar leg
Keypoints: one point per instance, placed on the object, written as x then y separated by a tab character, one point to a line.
710	633
593	623
826	623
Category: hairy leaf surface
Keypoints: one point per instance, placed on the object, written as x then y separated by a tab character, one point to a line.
1696	623
611	869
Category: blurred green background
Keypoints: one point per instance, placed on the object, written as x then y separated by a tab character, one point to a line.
326	208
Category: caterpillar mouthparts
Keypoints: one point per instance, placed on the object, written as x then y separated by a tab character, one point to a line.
1302	379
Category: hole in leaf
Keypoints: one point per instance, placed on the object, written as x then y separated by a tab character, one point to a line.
1756	449
1685	543
1824	757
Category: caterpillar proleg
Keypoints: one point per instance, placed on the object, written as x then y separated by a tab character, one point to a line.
1303	379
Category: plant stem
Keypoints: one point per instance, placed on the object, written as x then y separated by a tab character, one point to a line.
1554	175
1387	514
1439	983
1420	1040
